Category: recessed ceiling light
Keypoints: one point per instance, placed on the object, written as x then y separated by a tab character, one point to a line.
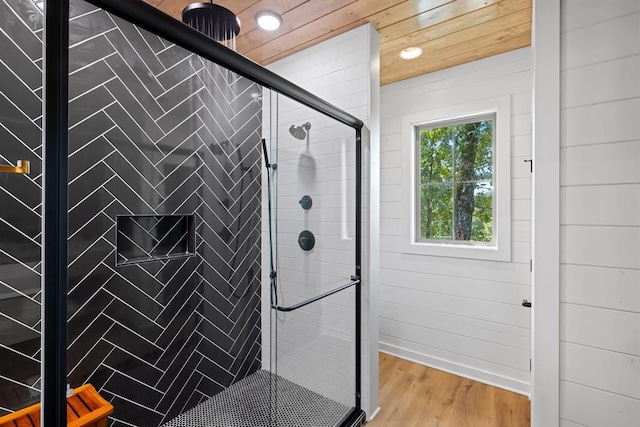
268	20
410	52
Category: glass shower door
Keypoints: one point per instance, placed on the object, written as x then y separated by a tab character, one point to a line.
164	227
165	213
312	251
21	51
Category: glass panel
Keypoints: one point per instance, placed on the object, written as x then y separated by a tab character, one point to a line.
448	211
436	212
157	131
20	204
474	151
474	212
315	380
316	159
473	201
314	251
436	149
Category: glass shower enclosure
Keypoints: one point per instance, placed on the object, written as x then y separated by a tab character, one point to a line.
190	224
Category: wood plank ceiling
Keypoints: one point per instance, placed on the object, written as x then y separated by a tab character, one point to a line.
451	32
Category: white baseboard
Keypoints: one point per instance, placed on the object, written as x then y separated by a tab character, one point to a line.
376	412
469	372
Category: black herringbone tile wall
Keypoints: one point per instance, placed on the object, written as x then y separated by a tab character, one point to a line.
20	203
154	130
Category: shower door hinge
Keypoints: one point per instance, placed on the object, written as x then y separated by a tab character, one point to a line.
531	265
530	363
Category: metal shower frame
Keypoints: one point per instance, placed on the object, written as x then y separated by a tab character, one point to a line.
55	175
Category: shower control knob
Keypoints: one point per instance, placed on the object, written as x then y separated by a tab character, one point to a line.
306	240
306	202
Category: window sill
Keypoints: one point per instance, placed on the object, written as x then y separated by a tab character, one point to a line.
456	250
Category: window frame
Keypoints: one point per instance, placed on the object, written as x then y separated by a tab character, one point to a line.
412	243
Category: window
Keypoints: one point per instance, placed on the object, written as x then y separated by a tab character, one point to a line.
455	173
456	181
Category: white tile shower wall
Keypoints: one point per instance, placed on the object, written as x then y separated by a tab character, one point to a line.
599	214
460	315
316	343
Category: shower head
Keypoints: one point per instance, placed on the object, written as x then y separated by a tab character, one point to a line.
300	132
215	21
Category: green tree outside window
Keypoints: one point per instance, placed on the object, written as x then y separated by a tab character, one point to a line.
456	181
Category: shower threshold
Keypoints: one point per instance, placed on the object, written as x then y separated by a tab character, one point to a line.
249	403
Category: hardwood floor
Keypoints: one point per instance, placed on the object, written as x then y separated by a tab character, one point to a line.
413	395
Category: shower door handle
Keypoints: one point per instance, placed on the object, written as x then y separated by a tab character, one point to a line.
23	167
354	281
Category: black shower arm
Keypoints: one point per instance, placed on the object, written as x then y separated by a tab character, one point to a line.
354	281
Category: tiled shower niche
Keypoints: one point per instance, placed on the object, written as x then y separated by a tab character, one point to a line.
144	238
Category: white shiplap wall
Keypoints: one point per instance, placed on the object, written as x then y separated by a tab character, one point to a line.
460	315
316	343
600	214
